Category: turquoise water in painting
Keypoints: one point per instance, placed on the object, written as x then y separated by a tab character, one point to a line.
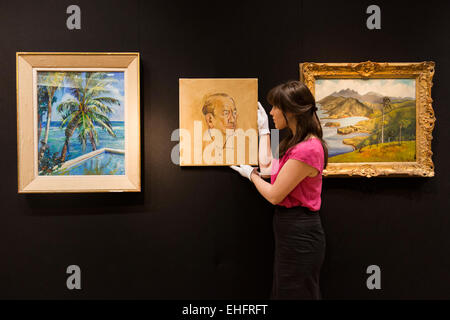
105	163
56	138
332	138
71	92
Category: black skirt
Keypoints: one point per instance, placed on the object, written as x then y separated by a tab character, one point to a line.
299	253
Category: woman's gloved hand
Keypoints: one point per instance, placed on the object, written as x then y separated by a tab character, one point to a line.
244	170
263	121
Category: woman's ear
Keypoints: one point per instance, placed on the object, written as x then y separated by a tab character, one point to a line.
209	120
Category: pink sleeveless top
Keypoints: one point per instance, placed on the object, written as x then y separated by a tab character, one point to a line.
307	192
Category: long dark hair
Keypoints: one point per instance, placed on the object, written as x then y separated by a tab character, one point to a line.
295	98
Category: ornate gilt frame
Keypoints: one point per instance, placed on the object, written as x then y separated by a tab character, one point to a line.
423	73
27	63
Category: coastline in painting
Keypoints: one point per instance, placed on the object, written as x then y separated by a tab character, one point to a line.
371	120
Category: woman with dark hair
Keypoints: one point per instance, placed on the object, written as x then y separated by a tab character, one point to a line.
295	189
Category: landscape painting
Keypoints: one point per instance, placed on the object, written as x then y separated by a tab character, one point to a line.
80	123
368	120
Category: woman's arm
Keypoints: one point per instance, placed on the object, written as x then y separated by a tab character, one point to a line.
264	152
265	156
290	175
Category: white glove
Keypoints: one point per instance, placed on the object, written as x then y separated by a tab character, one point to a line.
263	121
244	170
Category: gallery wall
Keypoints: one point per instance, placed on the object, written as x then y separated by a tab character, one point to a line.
205	233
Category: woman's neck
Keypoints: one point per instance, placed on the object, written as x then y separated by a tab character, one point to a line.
293	128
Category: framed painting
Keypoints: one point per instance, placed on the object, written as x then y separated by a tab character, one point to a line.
78	122
377	118
218	122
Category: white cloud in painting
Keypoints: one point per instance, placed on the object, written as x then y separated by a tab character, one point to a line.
404	88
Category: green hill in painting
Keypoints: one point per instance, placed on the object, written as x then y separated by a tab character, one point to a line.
342	107
399	128
349	103
383	152
403	114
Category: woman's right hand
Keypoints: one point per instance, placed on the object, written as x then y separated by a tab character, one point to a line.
263	121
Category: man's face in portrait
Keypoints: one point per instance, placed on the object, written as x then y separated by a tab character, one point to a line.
225	114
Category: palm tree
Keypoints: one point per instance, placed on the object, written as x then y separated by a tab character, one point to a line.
87	108
386	106
42	107
51	81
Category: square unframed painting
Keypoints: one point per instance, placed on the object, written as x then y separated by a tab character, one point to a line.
218	122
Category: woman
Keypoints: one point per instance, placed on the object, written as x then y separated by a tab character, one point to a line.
295	188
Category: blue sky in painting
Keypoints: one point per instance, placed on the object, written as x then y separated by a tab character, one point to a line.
404	88
117	91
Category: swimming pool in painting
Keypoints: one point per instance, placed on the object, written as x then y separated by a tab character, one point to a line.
57	136
105	163
80	113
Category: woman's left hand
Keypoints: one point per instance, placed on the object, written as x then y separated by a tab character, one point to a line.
244	170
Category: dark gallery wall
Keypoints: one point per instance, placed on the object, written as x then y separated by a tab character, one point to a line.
205	233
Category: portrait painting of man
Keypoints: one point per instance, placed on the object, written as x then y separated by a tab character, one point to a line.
218	122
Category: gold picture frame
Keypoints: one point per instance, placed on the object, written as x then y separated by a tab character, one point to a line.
33	177
421	74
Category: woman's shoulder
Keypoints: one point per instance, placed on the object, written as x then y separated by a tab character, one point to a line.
309	151
309	144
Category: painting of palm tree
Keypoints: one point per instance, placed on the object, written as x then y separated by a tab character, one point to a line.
83	114
50	83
